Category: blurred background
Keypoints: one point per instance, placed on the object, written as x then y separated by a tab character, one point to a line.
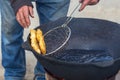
105	9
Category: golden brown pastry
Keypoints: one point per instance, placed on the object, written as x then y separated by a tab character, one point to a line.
41	41
34	42
39	34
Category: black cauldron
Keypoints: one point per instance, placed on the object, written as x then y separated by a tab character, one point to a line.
88	35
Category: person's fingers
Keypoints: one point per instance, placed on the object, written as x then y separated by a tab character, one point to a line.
26	16
23	20
93	2
87	2
22	16
84	4
31	11
20	19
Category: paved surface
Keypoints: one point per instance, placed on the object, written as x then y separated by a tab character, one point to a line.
106	9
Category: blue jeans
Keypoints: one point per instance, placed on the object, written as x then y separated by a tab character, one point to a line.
13	55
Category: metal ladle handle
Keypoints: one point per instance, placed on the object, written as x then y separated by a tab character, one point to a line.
70	18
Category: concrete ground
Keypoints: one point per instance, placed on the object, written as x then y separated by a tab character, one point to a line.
106	9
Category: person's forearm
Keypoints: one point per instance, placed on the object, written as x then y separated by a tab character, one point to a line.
16	4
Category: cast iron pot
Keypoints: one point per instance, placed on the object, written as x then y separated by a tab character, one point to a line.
87	34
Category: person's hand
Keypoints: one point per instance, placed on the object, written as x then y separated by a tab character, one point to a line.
87	2
23	16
